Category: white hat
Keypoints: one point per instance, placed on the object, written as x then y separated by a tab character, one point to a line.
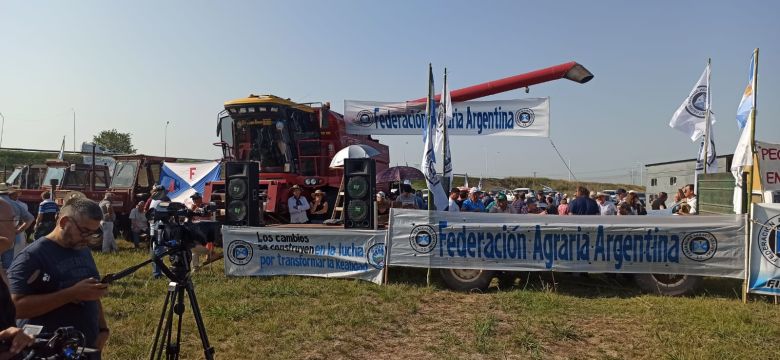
474	190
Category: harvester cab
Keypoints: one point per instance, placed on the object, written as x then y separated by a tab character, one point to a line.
292	143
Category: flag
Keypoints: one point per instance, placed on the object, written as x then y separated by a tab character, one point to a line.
466	181
61	155
743	111
712	157
444	116
181	180
479	184
689	117
743	154
432	180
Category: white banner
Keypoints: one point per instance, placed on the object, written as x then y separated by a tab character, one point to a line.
692	245
337	253
768	165
522	117
764	276
181	180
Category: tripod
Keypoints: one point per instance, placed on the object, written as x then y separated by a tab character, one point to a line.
180	283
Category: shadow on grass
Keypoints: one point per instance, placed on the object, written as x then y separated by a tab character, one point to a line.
574	284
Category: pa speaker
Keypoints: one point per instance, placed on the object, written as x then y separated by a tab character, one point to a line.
360	181
242	205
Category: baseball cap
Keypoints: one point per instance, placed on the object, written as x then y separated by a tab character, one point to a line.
474	190
501	197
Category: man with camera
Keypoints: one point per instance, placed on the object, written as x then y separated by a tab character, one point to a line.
54	281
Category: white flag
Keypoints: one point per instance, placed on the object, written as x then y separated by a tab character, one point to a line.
61	155
444	116
689	117
435	190
743	154
712	156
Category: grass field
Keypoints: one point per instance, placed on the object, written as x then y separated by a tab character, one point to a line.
543	316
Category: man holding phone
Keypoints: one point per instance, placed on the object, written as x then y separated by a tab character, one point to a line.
54	281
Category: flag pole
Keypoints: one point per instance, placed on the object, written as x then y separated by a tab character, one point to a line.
707	120
445	179
749	178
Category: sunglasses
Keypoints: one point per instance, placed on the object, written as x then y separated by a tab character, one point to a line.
90	234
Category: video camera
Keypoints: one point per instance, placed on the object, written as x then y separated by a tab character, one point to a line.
174	225
64	343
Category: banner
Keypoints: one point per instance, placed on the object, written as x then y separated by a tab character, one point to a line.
336	253
523	117
691	245
764	275
184	179
768	165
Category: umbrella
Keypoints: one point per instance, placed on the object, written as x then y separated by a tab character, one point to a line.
352	152
399	173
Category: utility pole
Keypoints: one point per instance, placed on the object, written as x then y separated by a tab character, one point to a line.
74	129
2	127
533	184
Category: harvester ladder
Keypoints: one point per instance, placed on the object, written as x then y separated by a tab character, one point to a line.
338	207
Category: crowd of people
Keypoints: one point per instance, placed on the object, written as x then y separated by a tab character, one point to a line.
584	202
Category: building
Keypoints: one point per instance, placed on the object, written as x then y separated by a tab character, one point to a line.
672	175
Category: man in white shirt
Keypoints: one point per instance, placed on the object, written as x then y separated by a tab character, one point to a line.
690	198
453	203
298	206
606	207
138	223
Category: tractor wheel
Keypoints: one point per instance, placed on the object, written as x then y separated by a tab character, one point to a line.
667	284
467	279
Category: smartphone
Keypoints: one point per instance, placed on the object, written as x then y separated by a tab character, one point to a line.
107	278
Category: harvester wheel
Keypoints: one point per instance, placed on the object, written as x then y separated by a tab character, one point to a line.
467	279
668	285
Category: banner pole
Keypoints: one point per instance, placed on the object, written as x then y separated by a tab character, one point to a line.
748	238
749	199
707	121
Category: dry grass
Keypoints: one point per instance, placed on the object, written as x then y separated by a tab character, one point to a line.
308	318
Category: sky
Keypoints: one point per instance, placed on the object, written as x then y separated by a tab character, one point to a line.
133	66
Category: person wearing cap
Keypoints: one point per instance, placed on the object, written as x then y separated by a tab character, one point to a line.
583	204
319	207
519	203
502	206
533	207
488	199
606	207
453	200
22	219
298	205
46	219
473	204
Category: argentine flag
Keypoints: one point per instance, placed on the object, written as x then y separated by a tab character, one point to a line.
743	111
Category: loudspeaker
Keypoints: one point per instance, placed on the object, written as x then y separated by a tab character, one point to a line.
359	189
242	205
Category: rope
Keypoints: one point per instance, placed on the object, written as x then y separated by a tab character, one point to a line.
562	160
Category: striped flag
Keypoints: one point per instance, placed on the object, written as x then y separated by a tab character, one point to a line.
746	103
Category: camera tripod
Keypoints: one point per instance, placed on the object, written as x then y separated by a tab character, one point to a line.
180	283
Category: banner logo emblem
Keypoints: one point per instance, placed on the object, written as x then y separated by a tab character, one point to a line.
769	241
376	256
699	246
364	118
697	103
524	117
423	239
240	252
